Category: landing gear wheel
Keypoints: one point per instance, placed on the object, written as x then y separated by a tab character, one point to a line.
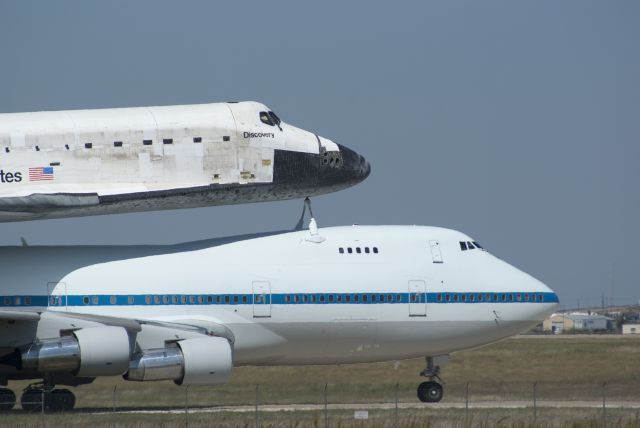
430	392
31	400
62	400
7	399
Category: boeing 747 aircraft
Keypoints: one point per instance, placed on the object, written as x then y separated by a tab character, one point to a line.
86	162
191	312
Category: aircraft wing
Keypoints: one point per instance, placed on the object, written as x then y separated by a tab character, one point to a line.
19	316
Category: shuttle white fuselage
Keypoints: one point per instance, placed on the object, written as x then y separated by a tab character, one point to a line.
86	162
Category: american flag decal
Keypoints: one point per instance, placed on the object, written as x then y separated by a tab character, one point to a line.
41	173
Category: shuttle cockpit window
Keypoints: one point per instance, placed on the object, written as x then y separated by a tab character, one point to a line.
275	118
270	118
266	118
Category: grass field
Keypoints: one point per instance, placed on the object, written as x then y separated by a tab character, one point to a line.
565	368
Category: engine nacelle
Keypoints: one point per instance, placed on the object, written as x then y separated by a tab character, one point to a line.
199	361
88	352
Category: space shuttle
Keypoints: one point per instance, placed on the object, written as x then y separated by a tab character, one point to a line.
59	164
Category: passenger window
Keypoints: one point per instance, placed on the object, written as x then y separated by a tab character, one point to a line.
85	300
165	299
349	250
373	298
366	250
236	298
339	298
183	299
389	298
209	299
463	297
192	299
27	300
94	300
347	298
364	298
287	298
455	297
439	297
227	299
463	245
375	250
218	299
358	250
341	250
398	297
382	297
313	298
322	298
174	300
331	297
200	299
266	119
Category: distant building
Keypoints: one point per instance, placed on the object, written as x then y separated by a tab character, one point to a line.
630	328
559	323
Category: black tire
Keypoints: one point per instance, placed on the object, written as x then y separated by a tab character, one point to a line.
31	400
430	392
7	399
62	400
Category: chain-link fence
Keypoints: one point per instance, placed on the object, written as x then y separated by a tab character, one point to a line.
332	405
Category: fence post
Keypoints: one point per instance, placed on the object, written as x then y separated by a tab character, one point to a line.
42	404
115	424
466	404
535	403
604	404
186	407
396	414
257	417
326	412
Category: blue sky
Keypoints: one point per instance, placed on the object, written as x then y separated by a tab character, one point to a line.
515	122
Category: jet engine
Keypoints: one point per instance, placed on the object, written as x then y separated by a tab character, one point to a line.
88	352
198	361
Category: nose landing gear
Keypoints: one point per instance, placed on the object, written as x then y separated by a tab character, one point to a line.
432	391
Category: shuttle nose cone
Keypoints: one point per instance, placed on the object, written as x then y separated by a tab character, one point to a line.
354	167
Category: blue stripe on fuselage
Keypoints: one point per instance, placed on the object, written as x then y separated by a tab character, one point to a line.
275	298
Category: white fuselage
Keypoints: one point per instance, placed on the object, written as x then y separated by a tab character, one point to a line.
366	293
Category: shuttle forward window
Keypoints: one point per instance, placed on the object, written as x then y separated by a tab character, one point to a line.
478	245
463	245
266	119
274	118
470	245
